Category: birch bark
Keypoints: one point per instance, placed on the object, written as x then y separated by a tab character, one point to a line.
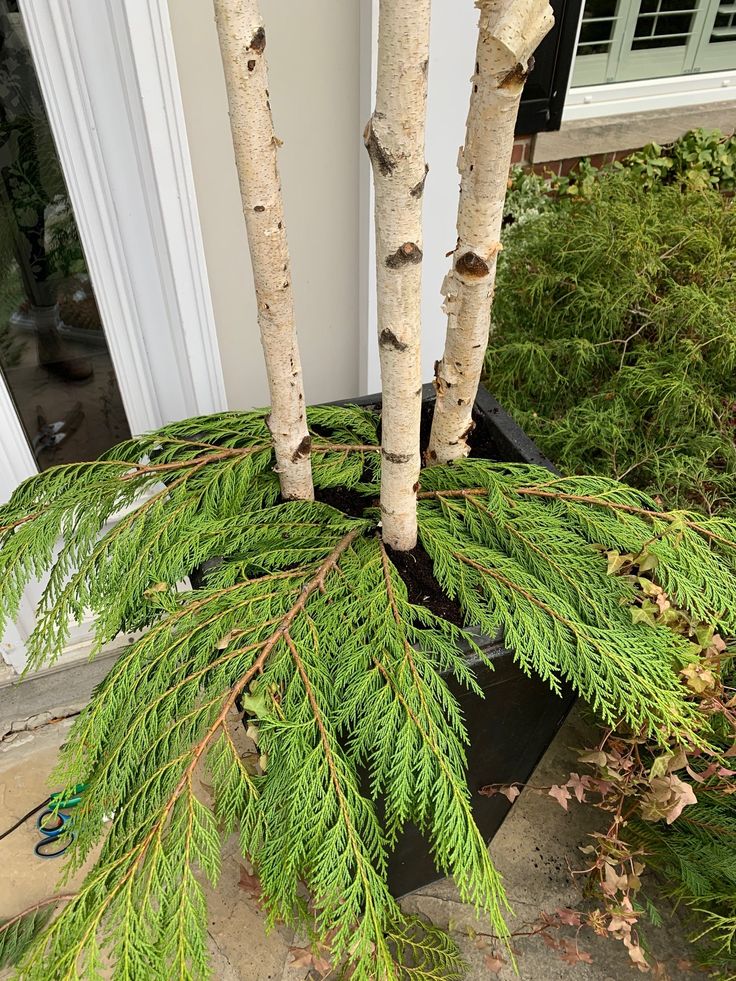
509	31
394	138
243	43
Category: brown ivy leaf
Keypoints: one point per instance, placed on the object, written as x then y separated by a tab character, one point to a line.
511	793
698	678
660	766
568	917
493	963
684	795
578	785
597	757
662	602
249	883
560	794
612	881
573	955
637	957
718	643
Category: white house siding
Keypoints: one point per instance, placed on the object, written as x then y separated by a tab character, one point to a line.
313	52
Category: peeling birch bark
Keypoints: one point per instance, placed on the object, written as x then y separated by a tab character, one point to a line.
509	32
243	44
394	138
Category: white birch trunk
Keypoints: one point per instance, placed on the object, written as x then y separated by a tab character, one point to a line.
243	43
508	33
394	138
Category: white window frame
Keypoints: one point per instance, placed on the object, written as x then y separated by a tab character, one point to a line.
646	95
108	76
593	101
107	72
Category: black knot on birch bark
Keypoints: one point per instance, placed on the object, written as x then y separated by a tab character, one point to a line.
518	75
472	266
406	254
467	433
302	450
418	190
387	338
396	457
380	157
258	41
251	64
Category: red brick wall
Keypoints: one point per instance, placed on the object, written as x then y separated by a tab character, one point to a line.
522	152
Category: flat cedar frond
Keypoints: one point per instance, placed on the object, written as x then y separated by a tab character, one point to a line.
304	620
519	556
172	487
425	953
18	932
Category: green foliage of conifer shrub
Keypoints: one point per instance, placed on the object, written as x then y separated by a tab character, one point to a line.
615	337
304	617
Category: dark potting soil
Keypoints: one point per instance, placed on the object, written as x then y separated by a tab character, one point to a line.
416	570
415	567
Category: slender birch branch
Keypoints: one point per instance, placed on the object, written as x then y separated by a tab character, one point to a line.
394	138
243	44
508	33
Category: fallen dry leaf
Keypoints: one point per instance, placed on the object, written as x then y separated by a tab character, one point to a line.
578	785
568	917
249	883
493	963
572	954
511	793
307	958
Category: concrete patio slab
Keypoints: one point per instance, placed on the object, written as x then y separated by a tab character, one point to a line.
535	851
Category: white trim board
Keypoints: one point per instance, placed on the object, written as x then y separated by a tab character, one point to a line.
107	73
108	77
618	98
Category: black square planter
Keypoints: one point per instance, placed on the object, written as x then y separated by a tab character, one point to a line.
511	728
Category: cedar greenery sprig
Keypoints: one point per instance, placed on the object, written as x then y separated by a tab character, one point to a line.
18	932
304	620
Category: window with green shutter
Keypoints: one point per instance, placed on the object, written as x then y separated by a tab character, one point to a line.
626	40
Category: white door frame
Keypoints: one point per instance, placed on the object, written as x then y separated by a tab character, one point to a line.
108	76
107	72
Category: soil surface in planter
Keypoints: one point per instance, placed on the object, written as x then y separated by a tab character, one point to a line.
415	567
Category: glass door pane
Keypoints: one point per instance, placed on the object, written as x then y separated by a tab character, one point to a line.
628	40
53	352
717	50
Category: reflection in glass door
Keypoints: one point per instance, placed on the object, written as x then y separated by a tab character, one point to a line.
53	352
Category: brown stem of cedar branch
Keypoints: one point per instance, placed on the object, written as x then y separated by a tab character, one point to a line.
51	901
133	470
582	499
315	583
